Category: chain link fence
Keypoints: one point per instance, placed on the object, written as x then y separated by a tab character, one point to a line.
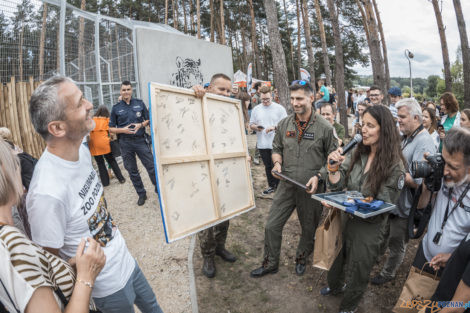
42	38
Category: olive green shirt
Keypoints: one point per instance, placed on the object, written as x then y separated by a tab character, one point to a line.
302	160
389	190
339	130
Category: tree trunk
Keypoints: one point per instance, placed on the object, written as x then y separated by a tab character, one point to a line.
376	58
326	59
212	20
81	45
191	16
218	25
291	46
222	22
364	21
41	42
308	42
245	57
175	14
254	43
184	15
279	59
465	52
444	48
384	51
166	12
299	54
339	67
198	13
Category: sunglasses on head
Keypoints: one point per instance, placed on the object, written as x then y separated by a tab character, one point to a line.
299	82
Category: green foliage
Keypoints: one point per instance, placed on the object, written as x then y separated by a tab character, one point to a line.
431	90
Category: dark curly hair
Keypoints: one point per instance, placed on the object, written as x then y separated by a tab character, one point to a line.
388	151
102	111
451	103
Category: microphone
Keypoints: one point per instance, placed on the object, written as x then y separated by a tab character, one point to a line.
356	139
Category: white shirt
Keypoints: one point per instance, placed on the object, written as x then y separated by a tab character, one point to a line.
266	116
65	203
436	139
456	228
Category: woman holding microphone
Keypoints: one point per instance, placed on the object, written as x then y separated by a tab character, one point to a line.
376	169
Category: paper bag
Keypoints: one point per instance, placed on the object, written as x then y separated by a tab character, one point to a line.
328	241
417	291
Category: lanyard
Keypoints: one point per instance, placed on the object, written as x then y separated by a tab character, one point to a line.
408	140
301	129
459	201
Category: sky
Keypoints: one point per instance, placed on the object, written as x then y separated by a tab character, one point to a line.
411	24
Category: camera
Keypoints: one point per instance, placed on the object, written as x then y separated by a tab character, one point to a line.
432	170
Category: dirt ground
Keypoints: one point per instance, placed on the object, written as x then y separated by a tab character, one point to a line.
233	290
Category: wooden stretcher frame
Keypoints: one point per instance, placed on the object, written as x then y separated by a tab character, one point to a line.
237	160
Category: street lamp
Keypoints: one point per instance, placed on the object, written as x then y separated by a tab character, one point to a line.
409	55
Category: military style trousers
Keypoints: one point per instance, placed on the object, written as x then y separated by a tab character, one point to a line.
129	148
287	198
361	244
213	238
397	241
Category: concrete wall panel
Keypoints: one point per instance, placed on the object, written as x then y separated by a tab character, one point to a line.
178	59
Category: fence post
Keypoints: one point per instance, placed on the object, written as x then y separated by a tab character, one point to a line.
97	59
136	68
63	5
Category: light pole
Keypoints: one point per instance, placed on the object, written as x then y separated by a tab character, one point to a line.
409	55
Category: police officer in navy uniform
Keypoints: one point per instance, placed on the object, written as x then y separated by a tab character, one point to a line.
128	120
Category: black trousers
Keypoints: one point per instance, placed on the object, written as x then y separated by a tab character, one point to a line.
268	166
104	171
130	147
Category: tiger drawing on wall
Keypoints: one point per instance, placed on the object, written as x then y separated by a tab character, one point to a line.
188	73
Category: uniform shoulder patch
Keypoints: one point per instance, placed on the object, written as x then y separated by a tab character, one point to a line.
401	181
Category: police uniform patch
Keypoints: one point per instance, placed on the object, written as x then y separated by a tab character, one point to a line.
290	133
401	182
309	136
138	114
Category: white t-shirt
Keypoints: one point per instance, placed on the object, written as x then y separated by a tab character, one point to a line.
456	228
266	116
65	203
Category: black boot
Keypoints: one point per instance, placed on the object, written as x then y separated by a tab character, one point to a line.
225	255
141	200
208	268
261	271
300	268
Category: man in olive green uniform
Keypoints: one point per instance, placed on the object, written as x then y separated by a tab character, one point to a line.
301	146
212	240
328	112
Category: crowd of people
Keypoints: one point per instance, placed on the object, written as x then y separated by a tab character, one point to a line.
64	252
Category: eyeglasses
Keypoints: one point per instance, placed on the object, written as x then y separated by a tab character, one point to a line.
374	95
265	99
299	82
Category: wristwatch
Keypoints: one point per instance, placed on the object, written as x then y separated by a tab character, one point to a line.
320	178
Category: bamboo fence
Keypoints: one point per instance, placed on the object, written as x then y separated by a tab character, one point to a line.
14	114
